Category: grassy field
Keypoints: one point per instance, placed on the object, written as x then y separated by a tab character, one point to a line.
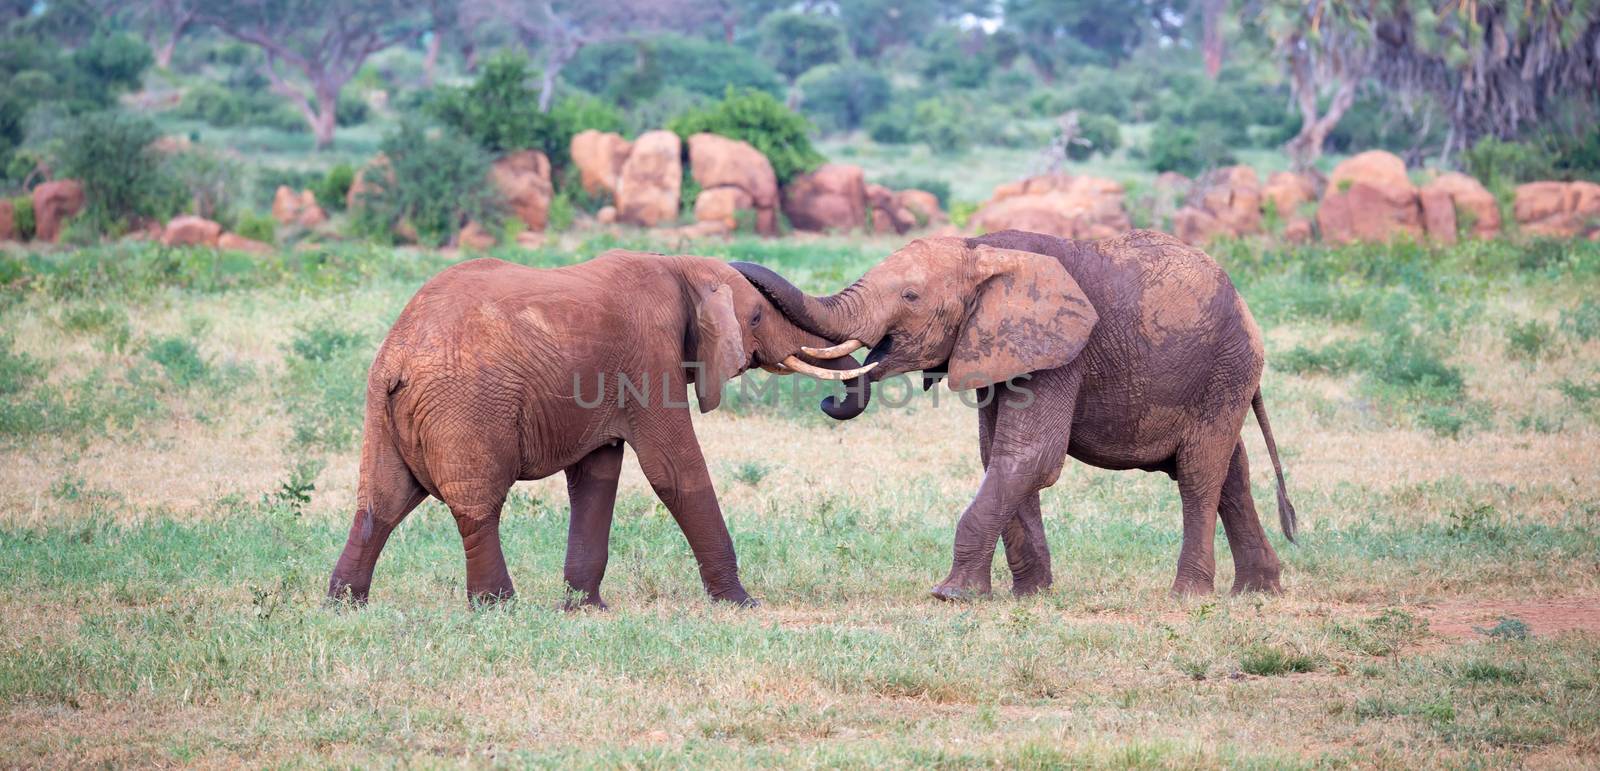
177	471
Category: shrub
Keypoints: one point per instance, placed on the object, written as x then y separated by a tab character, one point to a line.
1500	165
892	126
1187	150
763	121
796	42
333	188
1099	134
257	227
225	107
180	359
22	216
941	125
438	186
207	181
1530	340
1266	661
500	112
842	96
630	72
1582	322
109	152
351	109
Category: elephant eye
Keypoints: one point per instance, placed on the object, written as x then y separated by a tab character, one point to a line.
910	295
756	318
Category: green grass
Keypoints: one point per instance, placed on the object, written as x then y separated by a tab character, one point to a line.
179	432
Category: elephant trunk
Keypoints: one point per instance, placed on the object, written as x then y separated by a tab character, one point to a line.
821	316
857	391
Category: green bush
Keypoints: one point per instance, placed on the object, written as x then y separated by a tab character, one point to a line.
438	186
763	121
180	359
351	109
942	125
123	179
257	227
22	217
892	126
631	72
334	187
1501	165
1187	150
500	112
796	42
841	97
1099	134
225	107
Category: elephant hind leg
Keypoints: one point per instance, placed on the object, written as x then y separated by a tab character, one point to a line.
1255	564
387	493
1202	468
1027	551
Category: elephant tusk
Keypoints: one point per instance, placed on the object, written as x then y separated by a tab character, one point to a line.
794	363
832	352
777	369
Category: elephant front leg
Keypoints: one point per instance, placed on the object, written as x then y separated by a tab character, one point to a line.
1029	443
1027	550
592	490
672	462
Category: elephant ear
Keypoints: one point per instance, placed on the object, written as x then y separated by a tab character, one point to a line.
1029	315
719	347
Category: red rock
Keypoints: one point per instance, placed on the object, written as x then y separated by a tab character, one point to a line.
189	230
1287	191
599	157
8	221
1558	209
722	204
832	198
1438	215
523	180
1059	205
1370	198
234	242
1470	200
648	189
475	238
53	203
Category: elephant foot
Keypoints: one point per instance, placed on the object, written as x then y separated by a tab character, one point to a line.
488	598
737	596
960	587
341	592
1192	587
578	600
1027	587
1265	581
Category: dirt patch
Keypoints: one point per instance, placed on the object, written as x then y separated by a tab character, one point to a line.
1544	618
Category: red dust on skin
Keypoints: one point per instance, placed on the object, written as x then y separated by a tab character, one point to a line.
473	390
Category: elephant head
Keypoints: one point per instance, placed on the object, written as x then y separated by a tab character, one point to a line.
946	306
735	327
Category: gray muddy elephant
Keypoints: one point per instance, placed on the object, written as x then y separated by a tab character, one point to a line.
1133	352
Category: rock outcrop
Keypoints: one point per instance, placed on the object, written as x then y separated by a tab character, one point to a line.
1558	209
53	203
832	198
1370	198
523	180
722	166
651	179
1057	204
189	230
598	156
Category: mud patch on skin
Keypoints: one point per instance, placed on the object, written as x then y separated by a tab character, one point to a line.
1175	299
1544	618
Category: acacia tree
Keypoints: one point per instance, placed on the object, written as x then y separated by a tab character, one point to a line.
1495	67
1324	48
313	47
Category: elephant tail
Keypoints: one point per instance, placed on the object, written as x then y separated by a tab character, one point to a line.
1286	516
383	468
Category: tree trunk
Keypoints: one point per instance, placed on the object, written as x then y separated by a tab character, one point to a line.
1212	41
1306	147
326	116
430	60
